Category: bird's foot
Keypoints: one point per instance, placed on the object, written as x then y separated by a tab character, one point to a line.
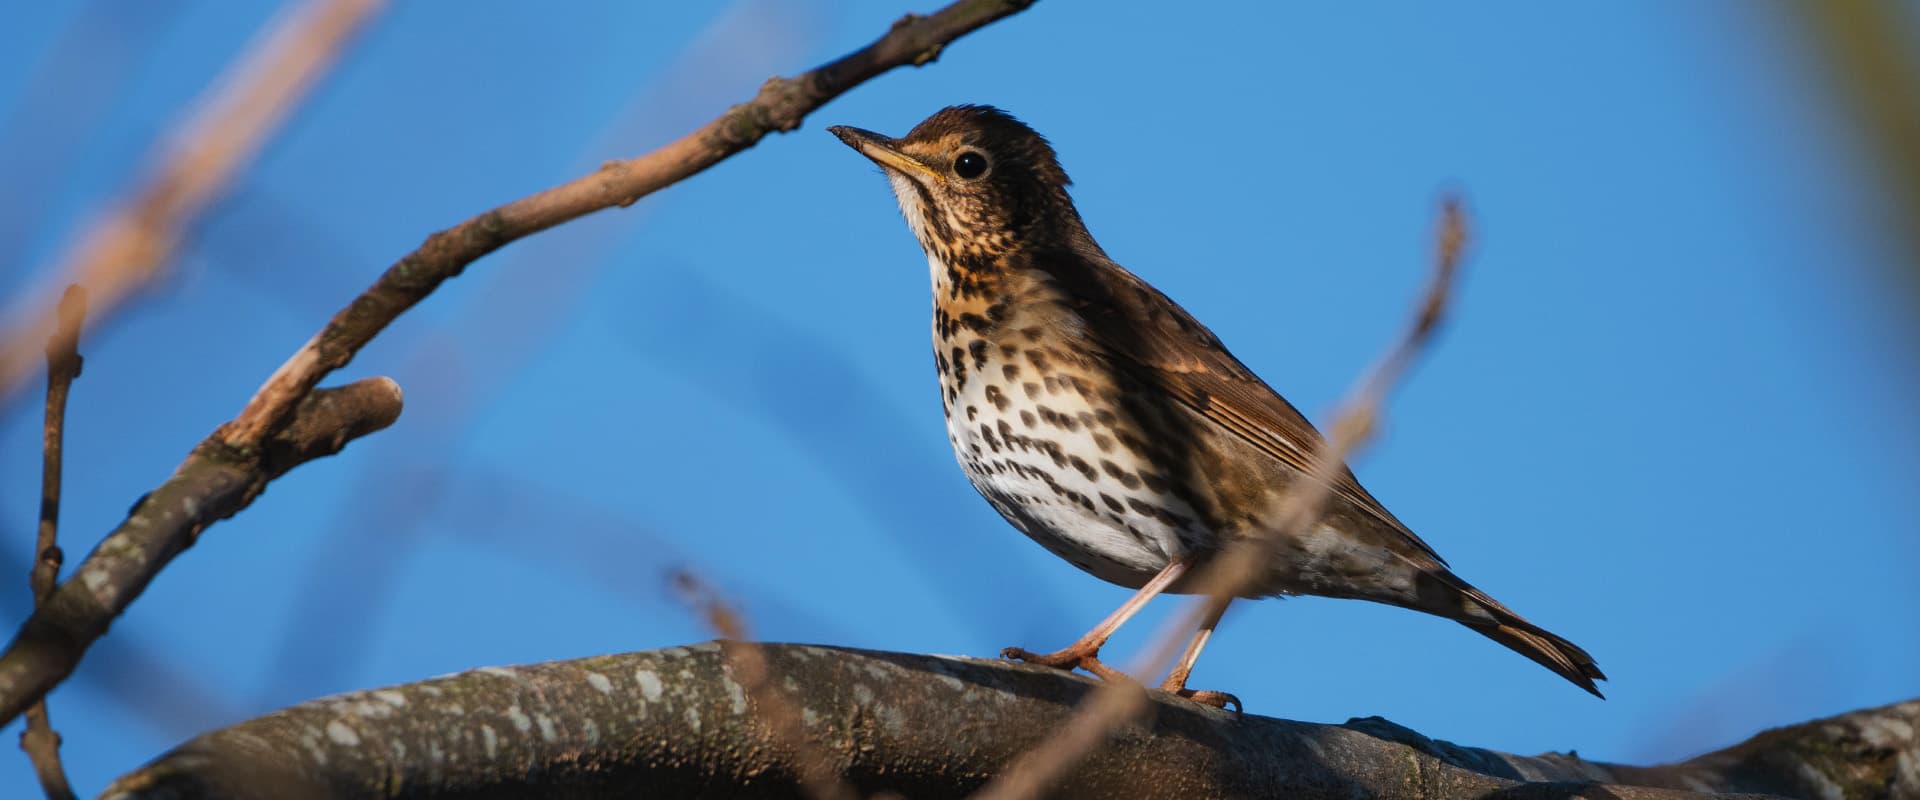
1206	698
1083	657
1176	685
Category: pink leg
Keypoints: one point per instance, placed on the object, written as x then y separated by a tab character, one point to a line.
1176	682
1085	652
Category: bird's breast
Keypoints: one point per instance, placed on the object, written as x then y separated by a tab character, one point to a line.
1039	429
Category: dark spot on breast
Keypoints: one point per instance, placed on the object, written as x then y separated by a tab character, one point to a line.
975	322
1032	333
1084	467
1125	478
1154	482
997	312
1052	384
986	434
997	397
1026	418
1038	359
979	351
1053	450
1104	442
1142	507
1106	416
1032	389
972	412
1006	432
1111	503
1010	370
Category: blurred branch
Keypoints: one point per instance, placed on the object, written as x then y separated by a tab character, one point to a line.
814	770
214	483
780	106
126	248
1870	53
675	722
40	740
1238	568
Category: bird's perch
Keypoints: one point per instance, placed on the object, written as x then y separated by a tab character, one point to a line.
677	722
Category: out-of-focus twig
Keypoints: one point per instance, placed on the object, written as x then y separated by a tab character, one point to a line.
230	467
1873	61
813	767
40	740
126	248
1241	565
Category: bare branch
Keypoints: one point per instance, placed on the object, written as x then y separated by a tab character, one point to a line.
780	106
1243	563
126	248
227	469
212	484
40	740
676	723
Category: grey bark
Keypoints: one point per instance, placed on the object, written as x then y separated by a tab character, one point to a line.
678	722
214	483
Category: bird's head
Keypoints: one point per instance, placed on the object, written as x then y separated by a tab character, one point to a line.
972	180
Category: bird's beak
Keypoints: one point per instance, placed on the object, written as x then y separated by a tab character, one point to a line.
885	151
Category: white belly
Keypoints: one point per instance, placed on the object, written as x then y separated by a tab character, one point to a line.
1049	476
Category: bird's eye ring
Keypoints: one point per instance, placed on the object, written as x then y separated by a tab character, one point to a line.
970	165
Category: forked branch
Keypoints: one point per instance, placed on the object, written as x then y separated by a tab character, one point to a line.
227	469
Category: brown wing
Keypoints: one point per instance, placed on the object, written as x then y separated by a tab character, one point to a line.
1159	343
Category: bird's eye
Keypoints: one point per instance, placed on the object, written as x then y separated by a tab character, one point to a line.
970	165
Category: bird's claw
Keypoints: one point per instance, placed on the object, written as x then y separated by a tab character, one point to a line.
1208	698
1067	659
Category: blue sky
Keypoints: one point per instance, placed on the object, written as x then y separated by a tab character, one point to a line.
1668	419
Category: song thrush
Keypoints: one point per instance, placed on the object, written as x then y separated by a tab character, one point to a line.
1110	426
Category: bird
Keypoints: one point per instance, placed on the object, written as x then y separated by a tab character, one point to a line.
1106	423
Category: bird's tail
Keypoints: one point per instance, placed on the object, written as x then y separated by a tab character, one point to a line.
1444	593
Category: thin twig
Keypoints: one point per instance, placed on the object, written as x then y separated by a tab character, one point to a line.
125	249
1243	563
814	766
48	649
780	105
40	741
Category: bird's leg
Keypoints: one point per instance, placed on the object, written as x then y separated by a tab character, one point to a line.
1176	682
1085	652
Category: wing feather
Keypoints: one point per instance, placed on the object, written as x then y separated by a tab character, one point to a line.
1157	343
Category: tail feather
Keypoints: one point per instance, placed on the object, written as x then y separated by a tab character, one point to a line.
1471	607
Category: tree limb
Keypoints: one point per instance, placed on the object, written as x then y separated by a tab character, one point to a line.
677	722
212	484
